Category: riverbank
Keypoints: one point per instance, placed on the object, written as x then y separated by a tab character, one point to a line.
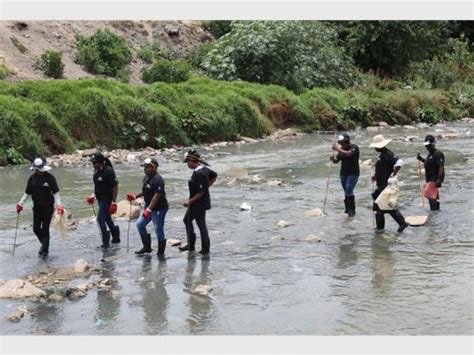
44	118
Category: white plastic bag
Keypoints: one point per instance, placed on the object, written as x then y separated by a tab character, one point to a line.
59	223
387	200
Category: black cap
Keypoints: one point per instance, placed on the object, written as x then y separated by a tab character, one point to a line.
430	139
97	158
344	137
193	155
150	161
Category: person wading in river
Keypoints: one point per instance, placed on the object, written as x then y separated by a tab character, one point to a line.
386	167
105	190
156	206
434	171
348	155
44	191
199	201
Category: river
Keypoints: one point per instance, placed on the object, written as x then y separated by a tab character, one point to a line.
265	279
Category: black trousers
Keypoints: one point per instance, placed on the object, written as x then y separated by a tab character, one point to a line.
42	216
198	214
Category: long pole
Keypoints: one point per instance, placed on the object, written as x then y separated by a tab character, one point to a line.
16	233
128	229
373	212
421	184
329	175
96	223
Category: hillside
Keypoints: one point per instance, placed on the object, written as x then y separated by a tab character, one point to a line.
22	42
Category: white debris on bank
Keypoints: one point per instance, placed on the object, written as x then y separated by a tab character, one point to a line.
18	314
202	290
18	288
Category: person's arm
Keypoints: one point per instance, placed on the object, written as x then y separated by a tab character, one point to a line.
344	153
212	177
194	199
154	201
397	166
115	193
440	179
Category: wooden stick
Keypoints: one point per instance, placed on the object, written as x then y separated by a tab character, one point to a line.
329	175
421	184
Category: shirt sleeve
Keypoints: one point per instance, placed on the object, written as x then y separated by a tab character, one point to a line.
439	159
54	185
29	186
212	174
111	177
202	182
158	185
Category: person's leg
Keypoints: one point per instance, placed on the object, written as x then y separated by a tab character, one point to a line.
434	204
37	225
190	235
114	230
145	237
201	222
398	217
351	183
159	223
346	201
46	216
101	220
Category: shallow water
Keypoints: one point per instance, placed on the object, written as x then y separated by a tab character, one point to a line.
265	280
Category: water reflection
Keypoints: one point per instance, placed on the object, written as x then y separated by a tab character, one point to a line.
200	307
108	304
47	318
155	302
347	254
383	265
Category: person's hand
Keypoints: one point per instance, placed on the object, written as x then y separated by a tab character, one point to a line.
331	158
373	178
419	157
112	208
335	147
147	213
131	197
90	200
438	183
60	209
392	179
19	207
186	203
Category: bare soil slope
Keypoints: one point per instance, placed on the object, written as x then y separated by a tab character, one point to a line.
22	42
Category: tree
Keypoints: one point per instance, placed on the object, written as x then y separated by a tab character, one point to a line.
388	47
295	54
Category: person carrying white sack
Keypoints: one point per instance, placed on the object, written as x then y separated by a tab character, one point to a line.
386	168
44	191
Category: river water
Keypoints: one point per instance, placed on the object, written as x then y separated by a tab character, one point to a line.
265	279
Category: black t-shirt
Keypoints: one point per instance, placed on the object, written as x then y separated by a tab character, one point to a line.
154	185
199	182
432	163
41	188
212	174
350	165
384	167
104	182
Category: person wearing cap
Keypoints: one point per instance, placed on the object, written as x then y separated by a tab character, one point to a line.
386	168
348	155
434	169
156	207
105	191
199	201
44	191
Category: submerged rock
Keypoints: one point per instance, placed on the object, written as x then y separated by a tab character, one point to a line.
202	290
245	207
311	238
123	209
81	266
236	171
18	288
18	314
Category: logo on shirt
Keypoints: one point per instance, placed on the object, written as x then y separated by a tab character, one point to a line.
46	184
148	186
100	178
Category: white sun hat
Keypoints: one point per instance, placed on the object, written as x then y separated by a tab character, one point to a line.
40	165
379	141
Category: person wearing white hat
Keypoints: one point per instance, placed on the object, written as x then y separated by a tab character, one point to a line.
434	170
44	191
387	166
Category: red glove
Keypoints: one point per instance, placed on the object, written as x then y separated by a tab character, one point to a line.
19	208
112	208
147	213
131	197
60	209
90	200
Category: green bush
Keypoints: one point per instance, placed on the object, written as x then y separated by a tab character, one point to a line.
4	71
50	63
103	53
167	71
217	28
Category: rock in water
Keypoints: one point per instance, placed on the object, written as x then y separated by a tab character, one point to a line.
123	210
203	290
416	220
173	242
283	224
311	238
18	314
317	212
20	289
236	171
245	207
81	266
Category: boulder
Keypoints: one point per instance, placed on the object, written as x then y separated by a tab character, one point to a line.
373	129
311	238
449	135
123	210
283	224
249	140
55	297
317	212
18	288
273	183
409	127
81	266
245	207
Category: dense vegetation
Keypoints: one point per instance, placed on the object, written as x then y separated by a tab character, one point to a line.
257	76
